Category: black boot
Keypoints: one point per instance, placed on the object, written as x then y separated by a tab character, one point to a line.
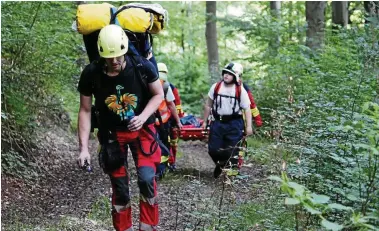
217	172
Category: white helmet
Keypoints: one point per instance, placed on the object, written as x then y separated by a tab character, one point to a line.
112	42
235	69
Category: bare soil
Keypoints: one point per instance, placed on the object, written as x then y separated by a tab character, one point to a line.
189	197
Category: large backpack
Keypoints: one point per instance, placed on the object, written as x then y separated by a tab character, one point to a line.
139	22
216	94
133	18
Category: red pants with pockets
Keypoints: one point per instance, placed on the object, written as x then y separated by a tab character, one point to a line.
174	138
146	167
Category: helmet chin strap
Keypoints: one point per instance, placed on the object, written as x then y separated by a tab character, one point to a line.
230	83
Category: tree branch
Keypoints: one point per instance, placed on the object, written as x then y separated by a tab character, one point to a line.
30	28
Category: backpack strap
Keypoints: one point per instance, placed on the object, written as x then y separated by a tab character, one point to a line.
97	75
238	93
104	133
238	97
215	95
137	63
216	90
155	145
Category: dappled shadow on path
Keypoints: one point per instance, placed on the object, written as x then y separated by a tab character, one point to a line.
189	197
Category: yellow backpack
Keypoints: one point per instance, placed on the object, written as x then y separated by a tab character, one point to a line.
93	17
135	17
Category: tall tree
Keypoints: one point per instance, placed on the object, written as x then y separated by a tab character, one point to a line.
372	10
211	37
315	16
275	8
275	13
340	13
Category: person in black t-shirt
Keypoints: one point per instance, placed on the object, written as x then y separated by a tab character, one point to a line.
125	107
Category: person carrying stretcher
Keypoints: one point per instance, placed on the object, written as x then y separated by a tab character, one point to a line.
168	114
227	100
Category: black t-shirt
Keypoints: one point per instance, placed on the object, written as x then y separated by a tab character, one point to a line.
118	98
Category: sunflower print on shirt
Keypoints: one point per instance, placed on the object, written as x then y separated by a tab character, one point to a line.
123	105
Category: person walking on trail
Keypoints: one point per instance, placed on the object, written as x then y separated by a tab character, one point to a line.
253	107
167	111
173	124
227	99
125	106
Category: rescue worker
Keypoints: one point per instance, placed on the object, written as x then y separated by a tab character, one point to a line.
168	112
125	108
253	107
173	134
254	112
227	99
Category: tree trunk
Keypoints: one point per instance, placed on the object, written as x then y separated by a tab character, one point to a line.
183	37
372	9
290	23
275	9
211	37
275	13
315	15
340	13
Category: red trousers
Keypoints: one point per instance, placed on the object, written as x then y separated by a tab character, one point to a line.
174	138
146	167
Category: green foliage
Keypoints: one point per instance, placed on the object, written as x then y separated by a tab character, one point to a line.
182	47
310	102
12	163
39	71
101	210
302	95
320	205
268	215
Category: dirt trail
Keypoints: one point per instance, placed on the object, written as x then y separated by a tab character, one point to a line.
66	192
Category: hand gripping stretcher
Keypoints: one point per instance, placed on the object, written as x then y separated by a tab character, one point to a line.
192	129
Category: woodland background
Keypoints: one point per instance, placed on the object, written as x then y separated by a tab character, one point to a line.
312	67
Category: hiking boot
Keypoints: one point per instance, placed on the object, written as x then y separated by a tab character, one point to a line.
217	172
161	171
172	167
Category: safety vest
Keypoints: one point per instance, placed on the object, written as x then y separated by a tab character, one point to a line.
164	111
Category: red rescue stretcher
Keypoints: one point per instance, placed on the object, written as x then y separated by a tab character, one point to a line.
192	129
191	133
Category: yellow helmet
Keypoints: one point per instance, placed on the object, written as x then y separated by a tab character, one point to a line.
163	71
112	42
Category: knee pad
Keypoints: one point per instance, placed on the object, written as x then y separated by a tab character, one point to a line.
120	190
146	177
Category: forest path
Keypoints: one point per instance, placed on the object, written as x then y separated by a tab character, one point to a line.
73	199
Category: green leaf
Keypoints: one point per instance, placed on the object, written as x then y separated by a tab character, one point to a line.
298	188
352	197
311	210
276	178
372	19
338	206
320	199
291	201
331	225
